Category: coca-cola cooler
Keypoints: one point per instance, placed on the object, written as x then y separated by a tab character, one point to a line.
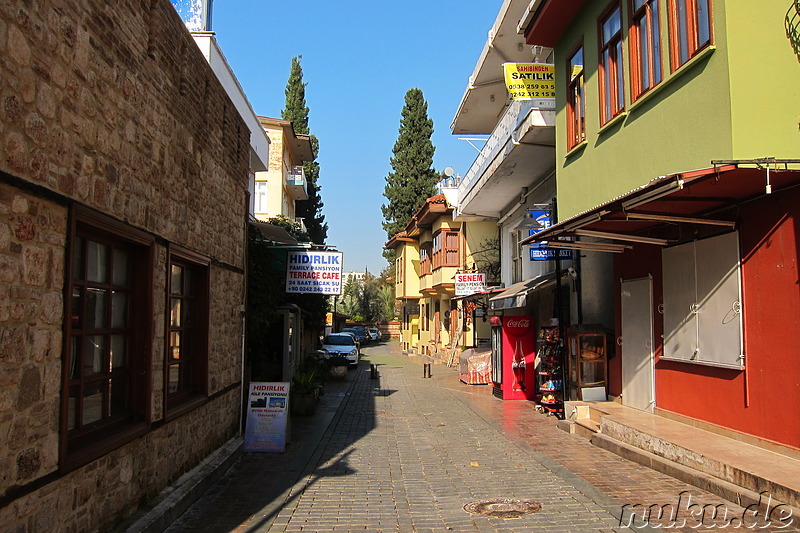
513	354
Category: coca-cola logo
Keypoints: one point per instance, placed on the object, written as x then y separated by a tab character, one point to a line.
517	326
522	323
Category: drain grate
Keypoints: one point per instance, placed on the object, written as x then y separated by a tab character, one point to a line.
503	507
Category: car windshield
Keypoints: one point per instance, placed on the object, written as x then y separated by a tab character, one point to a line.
338	340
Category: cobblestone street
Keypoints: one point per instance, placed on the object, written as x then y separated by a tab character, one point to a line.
404	453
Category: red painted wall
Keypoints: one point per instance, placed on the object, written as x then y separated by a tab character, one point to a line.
763	400
518	332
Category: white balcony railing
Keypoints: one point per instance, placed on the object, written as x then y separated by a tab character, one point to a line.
514	115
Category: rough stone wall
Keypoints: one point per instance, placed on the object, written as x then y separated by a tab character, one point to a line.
114	106
93	497
32	239
110	105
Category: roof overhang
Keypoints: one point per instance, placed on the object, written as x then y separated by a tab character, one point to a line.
658	213
486	97
398	239
299	145
550	21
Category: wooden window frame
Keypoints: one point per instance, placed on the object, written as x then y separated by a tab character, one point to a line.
425	250
194	388
692	21
576	100
612	87
81	445
650	15
440	248
452	251
260	197
398	268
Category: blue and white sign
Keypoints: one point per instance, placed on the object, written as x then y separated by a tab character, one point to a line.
265	428
196	14
314	272
539	250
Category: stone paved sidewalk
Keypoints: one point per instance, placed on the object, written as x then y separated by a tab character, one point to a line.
403	453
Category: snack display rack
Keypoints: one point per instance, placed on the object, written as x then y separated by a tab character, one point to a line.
587	361
549	358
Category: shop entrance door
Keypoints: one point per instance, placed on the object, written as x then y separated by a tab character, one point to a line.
637	344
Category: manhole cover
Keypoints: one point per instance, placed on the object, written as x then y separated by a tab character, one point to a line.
503	507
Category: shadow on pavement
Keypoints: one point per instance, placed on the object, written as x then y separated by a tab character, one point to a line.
252	492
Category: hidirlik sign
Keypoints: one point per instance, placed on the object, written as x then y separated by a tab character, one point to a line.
314	272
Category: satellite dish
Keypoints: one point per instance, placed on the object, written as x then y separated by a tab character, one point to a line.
448	171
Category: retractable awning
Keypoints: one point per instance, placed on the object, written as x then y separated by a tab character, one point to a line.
655	213
517	294
273	233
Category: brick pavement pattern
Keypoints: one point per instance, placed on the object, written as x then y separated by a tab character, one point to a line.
403	453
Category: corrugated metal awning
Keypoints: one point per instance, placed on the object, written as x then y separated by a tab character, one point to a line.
517	294
274	233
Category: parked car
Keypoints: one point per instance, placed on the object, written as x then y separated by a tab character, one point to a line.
341	344
351	332
375	334
360	332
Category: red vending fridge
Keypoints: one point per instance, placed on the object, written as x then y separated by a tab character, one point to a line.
513	354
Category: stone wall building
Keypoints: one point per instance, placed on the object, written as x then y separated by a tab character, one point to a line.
123	207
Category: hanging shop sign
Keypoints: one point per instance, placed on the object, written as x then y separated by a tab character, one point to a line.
539	250
265	429
314	272
470	283
531	81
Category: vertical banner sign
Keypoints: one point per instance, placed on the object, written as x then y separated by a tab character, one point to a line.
467	284
314	272
531	81
268	406
539	251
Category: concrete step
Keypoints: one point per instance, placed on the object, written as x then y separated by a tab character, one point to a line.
720	457
586	427
765	499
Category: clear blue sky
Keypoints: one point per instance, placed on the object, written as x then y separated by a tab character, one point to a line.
359	58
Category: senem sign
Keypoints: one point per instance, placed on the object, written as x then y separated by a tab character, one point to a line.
314	272
470	283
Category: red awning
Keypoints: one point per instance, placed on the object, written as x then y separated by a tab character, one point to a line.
655	212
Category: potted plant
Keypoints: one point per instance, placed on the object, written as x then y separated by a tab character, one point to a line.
337	366
304	392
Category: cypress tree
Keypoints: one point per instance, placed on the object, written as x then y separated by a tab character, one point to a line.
296	110
413	178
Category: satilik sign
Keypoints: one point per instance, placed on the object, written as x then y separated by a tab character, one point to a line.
531	81
314	272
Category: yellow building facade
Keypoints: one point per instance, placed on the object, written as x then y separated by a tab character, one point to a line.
430	251
284	182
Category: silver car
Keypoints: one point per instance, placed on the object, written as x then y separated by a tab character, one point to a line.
341	344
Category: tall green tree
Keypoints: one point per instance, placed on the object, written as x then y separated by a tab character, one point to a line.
413	178
296	110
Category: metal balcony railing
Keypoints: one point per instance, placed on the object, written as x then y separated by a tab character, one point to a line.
514	115
296	176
